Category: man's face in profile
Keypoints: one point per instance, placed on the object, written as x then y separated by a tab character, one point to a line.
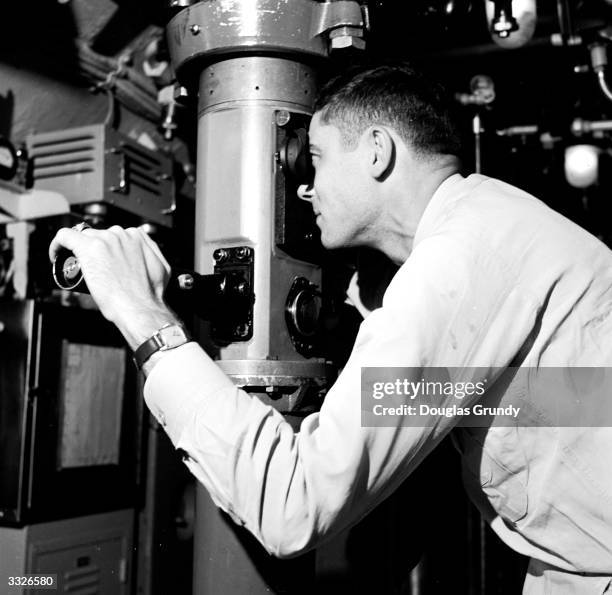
338	190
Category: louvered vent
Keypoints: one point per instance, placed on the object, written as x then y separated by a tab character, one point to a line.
98	164
143	169
82	581
67	156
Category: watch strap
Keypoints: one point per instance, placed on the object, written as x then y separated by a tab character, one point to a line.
156	343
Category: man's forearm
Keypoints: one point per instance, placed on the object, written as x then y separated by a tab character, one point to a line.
140	327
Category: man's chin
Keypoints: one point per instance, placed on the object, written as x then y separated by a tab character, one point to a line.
326	243
330	243
333	242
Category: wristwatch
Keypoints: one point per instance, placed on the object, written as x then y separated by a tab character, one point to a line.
167	337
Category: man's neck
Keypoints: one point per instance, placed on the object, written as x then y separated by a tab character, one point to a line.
407	202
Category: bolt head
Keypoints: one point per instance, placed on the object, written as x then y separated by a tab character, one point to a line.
220	255
346	37
242	252
347	41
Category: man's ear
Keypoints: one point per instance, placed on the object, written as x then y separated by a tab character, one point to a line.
382	152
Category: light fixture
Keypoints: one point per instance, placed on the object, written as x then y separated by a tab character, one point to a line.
582	165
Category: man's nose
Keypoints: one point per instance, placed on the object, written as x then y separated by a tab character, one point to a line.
306	192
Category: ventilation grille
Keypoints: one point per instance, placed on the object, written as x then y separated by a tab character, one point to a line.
82	581
61	157
143	169
97	164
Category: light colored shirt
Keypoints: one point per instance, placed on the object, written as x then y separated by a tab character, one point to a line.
495	277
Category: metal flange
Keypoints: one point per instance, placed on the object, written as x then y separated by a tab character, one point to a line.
207	30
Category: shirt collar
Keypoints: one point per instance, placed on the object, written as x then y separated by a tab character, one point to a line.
448	191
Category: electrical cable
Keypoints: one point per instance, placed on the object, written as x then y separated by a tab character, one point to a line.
130	88
112	64
109	120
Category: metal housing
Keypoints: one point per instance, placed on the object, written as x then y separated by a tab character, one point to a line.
307	29
97	164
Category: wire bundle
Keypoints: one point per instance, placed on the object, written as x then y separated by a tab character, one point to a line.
130	87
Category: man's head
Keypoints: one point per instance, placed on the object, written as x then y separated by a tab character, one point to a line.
364	122
396	96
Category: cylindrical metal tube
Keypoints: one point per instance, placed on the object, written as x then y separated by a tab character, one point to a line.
238	177
235	194
256	88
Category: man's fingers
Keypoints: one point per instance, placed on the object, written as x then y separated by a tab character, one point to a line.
65	238
73	240
153	246
149	247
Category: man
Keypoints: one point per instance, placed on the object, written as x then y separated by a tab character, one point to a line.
489	278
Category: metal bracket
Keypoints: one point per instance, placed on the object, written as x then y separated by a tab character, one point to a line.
234	319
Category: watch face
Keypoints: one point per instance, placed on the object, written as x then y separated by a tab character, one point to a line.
173	336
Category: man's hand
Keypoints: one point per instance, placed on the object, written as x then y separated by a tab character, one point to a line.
126	274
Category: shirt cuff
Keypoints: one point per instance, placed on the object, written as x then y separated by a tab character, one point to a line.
180	383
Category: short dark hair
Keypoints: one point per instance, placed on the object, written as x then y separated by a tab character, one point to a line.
395	95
